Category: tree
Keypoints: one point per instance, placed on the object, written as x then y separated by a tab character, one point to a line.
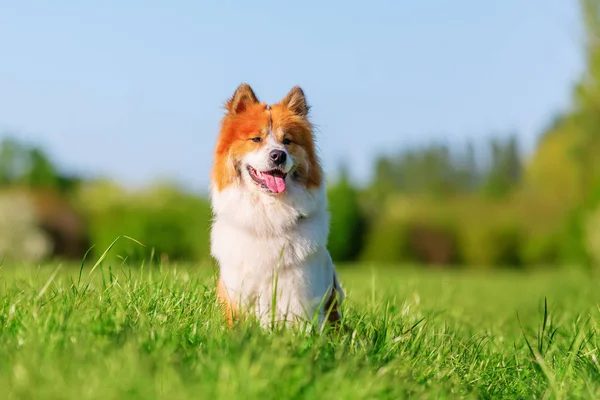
587	100
347	221
26	165
40	173
506	169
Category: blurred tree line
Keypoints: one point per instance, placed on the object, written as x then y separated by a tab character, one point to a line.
430	205
46	213
494	208
474	206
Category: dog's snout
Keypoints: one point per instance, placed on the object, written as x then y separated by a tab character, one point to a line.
278	157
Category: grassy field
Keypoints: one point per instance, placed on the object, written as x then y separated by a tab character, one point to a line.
150	333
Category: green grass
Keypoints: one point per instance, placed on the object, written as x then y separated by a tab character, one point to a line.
155	333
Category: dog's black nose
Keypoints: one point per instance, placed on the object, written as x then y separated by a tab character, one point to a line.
278	156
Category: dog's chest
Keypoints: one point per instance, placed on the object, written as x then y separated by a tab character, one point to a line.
272	254
284	292
289	274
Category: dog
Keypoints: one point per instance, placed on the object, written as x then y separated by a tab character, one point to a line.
270	215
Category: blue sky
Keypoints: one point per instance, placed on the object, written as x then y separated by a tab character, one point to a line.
133	89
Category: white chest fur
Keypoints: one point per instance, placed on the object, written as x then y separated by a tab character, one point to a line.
272	252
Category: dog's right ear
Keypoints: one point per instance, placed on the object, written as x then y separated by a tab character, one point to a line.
295	101
243	98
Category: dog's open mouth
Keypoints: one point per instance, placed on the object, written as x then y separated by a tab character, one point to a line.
272	181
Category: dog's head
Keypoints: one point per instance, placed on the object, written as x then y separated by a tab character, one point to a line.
266	148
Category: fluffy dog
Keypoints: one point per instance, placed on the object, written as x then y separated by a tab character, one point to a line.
271	223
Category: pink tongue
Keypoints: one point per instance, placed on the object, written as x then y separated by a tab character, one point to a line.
276	184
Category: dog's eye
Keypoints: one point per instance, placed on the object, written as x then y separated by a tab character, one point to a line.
257	139
287	141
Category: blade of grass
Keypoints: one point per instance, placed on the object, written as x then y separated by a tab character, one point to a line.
48	282
103	256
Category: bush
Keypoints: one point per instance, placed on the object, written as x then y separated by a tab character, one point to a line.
488	245
466	232
21	238
540	249
399	241
387	242
168	222
64	225
580	230
591	234
433	243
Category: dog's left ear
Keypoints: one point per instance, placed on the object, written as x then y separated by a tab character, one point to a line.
296	102
243	98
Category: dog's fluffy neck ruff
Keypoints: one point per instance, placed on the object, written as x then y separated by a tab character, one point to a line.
264	215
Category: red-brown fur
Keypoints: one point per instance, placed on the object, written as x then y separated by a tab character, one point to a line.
246	117
225	302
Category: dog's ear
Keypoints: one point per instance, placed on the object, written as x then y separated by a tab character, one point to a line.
243	98
295	101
